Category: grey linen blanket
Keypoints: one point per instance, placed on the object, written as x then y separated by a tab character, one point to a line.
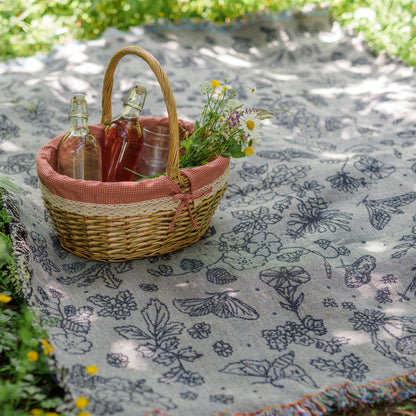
301	296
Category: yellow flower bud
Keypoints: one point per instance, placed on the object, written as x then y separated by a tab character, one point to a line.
215	83
91	369
32	356
5	298
81	402
248	151
48	350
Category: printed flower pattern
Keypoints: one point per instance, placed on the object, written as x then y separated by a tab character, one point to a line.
314	216
368	321
373	168
344	182
200	330
118	360
119	307
264	244
373	322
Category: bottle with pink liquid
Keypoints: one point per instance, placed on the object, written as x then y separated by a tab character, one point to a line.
122	143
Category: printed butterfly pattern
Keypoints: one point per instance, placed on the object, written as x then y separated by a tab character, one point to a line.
359	272
223	305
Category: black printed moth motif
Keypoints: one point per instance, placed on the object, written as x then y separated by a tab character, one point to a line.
273	373
223	305
380	210
359	272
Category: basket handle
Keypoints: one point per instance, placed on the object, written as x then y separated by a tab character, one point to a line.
172	168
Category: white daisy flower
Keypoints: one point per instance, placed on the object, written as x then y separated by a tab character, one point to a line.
250	123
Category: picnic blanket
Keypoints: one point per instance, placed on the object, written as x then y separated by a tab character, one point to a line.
300	298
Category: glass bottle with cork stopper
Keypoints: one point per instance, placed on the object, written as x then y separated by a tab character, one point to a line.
79	153
122	143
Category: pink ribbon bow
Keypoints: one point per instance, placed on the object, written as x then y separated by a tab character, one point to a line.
185	198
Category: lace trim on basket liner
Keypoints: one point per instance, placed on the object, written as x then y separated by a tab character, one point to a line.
129	210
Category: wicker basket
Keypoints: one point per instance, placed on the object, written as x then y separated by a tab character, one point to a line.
122	221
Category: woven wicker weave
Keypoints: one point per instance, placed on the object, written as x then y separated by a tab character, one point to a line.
156	230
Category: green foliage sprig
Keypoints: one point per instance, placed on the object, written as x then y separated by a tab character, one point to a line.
225	127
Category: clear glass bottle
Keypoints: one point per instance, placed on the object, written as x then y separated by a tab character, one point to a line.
122	143
79	153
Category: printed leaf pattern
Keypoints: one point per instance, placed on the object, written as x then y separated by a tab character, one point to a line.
93	273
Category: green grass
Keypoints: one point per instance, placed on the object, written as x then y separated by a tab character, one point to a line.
27	386
29	26
388	25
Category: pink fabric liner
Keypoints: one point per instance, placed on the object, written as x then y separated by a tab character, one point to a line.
120	192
